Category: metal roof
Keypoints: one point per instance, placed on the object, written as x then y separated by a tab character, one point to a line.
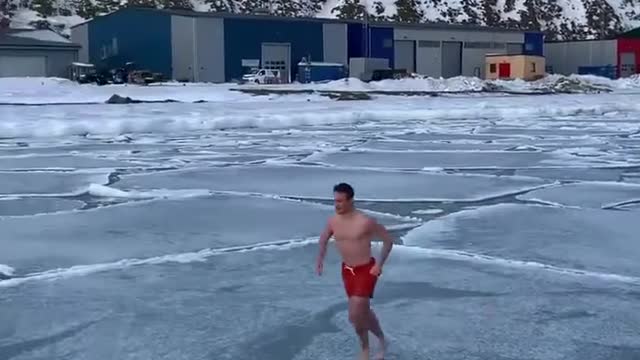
6	40
227	15
608	38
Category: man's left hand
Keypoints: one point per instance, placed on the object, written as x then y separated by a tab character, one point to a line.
376	270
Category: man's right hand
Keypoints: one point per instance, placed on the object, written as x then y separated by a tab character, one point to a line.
319	267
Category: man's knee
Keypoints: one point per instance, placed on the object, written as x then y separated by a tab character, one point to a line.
359	312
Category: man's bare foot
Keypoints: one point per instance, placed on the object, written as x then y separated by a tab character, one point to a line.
364	355
383	347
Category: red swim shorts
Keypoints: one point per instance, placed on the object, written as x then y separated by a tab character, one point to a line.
358	281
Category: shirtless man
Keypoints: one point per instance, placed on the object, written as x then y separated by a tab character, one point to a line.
353	232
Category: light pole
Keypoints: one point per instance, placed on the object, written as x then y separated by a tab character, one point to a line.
367	52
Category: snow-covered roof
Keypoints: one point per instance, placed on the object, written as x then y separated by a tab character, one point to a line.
39	34
9	40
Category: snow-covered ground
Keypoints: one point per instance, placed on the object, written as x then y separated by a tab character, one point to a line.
188	230
55	90
233	109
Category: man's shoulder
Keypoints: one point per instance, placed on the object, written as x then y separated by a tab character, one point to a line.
367	218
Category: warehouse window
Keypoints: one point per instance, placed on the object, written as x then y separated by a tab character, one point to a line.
533	67
477	45
428	44
492	68
114	46
496	45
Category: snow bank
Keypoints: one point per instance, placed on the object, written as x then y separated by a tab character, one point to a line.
6	271
550	83
39	90
457	84
56	90
261	112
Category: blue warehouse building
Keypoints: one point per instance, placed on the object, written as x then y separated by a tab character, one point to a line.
219	47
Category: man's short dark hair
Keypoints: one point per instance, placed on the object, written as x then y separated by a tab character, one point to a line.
345	189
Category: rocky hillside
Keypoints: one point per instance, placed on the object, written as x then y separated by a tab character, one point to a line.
559	19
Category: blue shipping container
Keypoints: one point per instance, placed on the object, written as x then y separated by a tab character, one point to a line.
317	71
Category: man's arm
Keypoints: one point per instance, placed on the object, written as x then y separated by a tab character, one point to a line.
326	234
387	241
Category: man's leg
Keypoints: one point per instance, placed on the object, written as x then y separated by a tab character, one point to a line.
359	316
374	327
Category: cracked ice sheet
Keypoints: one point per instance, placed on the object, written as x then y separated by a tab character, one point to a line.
599	241
568	173
453	159
49	183
314	182
277	308
587	194
400	145
146	229
60	162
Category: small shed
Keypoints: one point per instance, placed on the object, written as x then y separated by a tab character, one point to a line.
22	56
516	66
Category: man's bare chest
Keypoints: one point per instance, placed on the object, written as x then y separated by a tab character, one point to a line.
351	233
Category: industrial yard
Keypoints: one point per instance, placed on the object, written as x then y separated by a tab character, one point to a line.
216	47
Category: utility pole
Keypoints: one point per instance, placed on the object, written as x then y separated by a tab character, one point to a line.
367	52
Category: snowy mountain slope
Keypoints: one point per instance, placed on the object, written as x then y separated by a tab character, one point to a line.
559	19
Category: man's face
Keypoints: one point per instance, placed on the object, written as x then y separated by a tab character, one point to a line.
342	202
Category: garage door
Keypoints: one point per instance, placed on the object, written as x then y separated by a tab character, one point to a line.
277	57
19	66
405	55
451	59
627	64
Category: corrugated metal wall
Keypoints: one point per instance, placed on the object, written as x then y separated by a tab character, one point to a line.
80	36
435	59
566	57
243	39
138	35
